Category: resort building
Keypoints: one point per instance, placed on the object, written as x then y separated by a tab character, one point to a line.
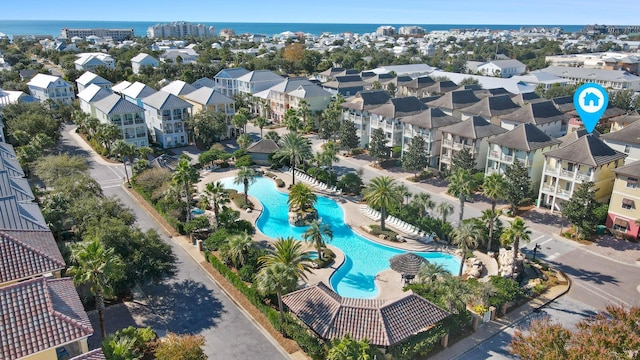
472	134
453	101
525	143
542	114
142	59
227	80
346	85
501	68
114	34
89	78
127	116
48	87
411	70
357	110
210	100
441	87
415	87
585	159
180	30
331	73
278	99
260	151
490	108
426	124
387	117
165	115
613	79
624	206
626	140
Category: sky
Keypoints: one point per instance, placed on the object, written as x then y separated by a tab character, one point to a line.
540	12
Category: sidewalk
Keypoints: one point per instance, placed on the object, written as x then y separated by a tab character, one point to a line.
488	330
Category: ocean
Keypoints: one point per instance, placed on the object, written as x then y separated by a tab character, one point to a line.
53	27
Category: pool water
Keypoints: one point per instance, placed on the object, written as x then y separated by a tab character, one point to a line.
364	259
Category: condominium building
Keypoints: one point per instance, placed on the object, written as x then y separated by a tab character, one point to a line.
115	34
453	101
180	29
426	124
472	134
209	100
357	110
542	114
387	117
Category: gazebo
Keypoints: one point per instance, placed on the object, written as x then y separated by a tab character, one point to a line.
407	264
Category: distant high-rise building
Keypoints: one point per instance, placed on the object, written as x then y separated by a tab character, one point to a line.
386	30
180	29
115	34
411	30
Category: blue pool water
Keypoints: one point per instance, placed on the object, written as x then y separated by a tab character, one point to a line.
197	211
363	258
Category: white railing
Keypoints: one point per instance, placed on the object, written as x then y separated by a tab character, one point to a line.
494	155
564	193
507	158
583	177
547	188
566	173
447	142
457	146
551	171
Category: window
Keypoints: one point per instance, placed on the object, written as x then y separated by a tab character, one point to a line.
627	149
628	204
620	224
632	183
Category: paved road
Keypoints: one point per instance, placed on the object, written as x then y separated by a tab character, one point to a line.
190	302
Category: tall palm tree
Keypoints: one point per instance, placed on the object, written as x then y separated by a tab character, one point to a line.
292	121
490	219
404	192
124	151
330	156
467	236
461	186
244	140
186	175
281	269
237	248
430	271
381	192
444	209
516	232
423	202
316	233
240	119
218	196
99	267
304	112
302	197
246	176
260	122
493	188
295	148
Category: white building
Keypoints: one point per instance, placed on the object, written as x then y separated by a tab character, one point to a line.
502	68
258	80
89	78
357	110
128	117
141	60
165	115
615	79
426	124
227	80
48	87
472	134
180	29
186	56
90	61
90	95
626	140
543	114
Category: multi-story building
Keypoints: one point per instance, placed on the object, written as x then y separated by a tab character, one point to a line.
472	134
411	30
620	122
502	68
184	56
127	116
624	206
331	73
90	95
48	87
614	79
141	60
276	98
441	87
178	88
490	108
387	117
426	124
453	101
542	114
89	78
227	80
208	100
346	85
415	87
357	110
256	81
180	29
165	115
115	34
90	61
386	30
316	98
136	92
626	140
586	159
204	82
525	143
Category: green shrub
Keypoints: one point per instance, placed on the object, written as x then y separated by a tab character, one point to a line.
506	289
357	151
238	200
240	226
351	183
224	165
244	160
418	345
391	235
217	239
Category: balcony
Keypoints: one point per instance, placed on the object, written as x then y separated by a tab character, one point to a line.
548	188
457	146
129	136
564	193
583	177
447	143
507	158
491	171
445	158
551	171
139	120
495	155
141	135
566	173
471	148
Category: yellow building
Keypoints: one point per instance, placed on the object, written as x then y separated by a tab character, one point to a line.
624	206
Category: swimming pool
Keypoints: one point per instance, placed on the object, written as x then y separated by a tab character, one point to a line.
363	258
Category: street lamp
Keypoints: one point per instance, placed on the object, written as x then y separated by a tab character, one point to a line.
535	251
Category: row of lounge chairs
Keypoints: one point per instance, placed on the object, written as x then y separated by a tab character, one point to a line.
315	183
397	224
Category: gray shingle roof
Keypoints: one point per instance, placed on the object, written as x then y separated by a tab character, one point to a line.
365	100
264	146
474	128
627	118
632	170
587	150
431	118
574	135
382	322
40	314
399	107
564	103
114	104
491	106
629	135
455	100
418	83
208	96
21	261
539	113
232	73
442	87
260	75
204	82
523	98
525	137
163	100
590	74
309	91
611	112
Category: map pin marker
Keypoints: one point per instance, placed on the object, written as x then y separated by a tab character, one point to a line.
591	102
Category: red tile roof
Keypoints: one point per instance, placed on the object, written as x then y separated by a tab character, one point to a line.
40	314
20	260
382	322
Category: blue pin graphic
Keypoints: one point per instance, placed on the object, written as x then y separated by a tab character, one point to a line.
591	102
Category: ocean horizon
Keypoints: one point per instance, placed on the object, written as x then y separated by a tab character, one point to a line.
53	27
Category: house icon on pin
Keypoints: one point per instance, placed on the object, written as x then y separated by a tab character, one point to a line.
591	99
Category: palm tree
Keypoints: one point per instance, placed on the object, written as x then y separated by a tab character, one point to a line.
281	269
430	271
516	232
246	176
302	197
295	148
218	196
444	209
493	188
244	141
467	236
423	202
381	192
261	123
404	192
460	186
240	119
124	151
186	175
292	121
99	267
490	219
316	233
304	112
330	155
237	248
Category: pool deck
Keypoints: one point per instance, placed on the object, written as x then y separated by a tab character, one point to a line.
389	282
